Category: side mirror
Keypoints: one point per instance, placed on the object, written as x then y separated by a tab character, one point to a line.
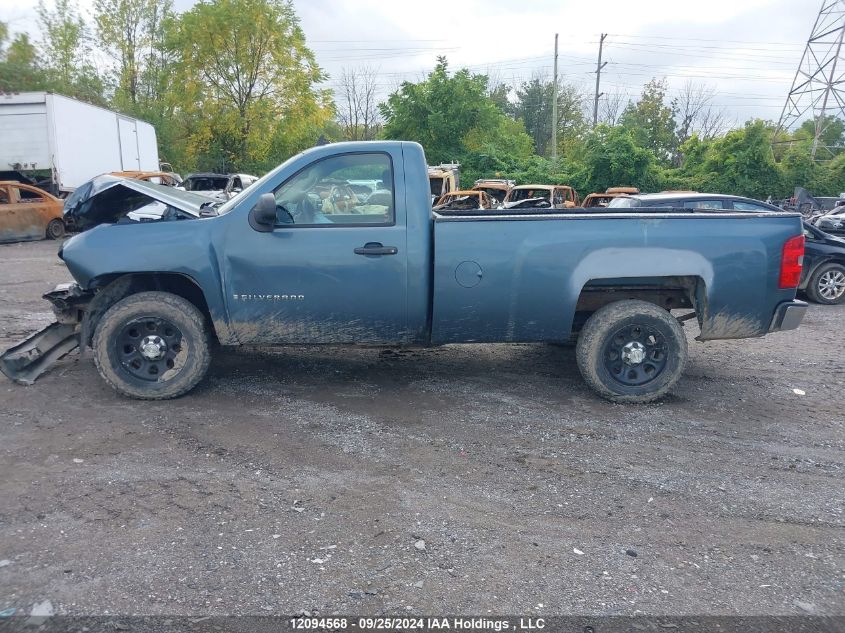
262	217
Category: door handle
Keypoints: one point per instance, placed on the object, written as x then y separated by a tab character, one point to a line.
376	248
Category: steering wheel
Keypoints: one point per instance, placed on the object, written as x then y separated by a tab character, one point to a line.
341	201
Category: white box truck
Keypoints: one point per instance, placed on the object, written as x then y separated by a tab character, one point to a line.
62	142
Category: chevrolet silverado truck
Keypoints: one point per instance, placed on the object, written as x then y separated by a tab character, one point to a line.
275	266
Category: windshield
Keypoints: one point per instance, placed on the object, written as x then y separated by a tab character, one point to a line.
498	194
527	194
623	203
205	183
436	184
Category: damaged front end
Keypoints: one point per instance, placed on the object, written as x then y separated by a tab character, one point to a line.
26	361
104	200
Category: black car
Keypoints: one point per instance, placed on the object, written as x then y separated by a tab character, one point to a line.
823	274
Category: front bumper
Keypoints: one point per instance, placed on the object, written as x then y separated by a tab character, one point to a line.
24	362
788	316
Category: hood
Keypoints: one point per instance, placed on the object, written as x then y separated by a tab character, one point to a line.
110	199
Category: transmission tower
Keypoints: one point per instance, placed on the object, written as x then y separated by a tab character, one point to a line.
819	85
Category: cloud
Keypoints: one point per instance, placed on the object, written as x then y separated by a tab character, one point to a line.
747	50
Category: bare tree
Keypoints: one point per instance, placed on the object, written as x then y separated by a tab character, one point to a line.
357	107
696	113
612	106
713	122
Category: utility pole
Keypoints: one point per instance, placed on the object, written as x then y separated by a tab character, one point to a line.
599	66
554	108
817	89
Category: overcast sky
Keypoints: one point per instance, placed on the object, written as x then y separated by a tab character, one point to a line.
748	50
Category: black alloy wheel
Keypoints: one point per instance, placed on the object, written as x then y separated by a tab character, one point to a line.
635	354
149	348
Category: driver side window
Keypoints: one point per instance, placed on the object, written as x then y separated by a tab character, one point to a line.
322	194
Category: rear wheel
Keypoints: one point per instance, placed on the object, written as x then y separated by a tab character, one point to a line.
827	284
631	351
55	229
152	346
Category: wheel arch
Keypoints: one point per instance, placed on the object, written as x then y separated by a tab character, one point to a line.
112	287
827	259
669	293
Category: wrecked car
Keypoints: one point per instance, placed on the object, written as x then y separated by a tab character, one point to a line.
166	178
496	188
541	197
114	200
833	222
271	268
28	213
218	186
603	199
442	179
465	200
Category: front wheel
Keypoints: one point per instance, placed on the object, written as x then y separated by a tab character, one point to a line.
631	351
827	284
152	346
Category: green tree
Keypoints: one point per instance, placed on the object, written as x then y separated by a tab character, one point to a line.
243	76
65	52
506	137
19	69
452	116
832	137
499	94
828	176
741	163
652	122
613	158
126	29
534	107
799	169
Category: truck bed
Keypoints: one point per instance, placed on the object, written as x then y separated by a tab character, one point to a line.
504	278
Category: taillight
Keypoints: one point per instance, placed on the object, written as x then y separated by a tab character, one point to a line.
791	261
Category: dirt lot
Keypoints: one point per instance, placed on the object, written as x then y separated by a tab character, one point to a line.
480	479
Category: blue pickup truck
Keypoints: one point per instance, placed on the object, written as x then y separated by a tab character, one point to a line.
300	258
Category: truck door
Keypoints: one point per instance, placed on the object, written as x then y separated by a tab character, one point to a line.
334	268
129	155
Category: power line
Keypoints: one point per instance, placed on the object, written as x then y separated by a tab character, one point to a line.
818	88
768	43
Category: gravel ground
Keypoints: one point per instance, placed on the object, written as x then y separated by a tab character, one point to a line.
465	479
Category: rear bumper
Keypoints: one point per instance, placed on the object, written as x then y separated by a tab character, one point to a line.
788	316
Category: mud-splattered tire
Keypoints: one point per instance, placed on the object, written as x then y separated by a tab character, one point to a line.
152	346
827	284
55	229
618	335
